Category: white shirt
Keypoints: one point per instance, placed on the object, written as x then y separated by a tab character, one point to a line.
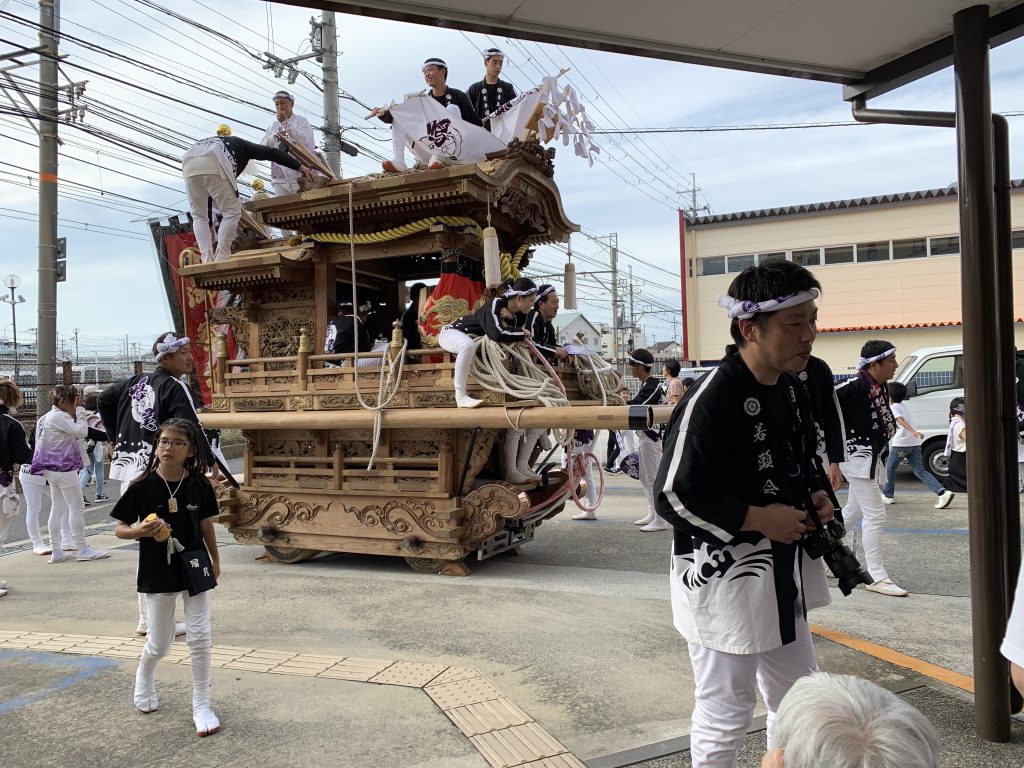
959	444
1013	644
903	438
300	131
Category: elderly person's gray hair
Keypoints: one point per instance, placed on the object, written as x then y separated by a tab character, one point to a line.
845	722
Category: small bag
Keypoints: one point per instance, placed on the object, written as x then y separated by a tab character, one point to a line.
197	570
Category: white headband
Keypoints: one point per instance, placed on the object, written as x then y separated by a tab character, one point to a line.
510	293
540	296
639	362
744	310
864	362
169	345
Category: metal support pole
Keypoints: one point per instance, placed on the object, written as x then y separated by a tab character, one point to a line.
615	298
332	108
46	350
632	316
987	503
1006	364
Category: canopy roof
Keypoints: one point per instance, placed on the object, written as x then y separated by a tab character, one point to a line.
870	46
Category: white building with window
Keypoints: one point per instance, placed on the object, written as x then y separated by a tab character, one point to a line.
889	268
571	324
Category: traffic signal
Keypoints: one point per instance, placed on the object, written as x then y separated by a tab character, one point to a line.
61	263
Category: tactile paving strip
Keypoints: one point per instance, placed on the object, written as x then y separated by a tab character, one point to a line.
408	674
505	735
514	746
477	719
462	693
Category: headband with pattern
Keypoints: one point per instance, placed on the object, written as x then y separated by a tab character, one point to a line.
744	310
540	296
169	345
510	293
864	362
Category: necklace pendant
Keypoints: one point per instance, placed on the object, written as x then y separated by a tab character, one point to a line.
172	504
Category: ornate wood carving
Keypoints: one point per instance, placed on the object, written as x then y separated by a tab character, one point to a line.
300	403
522	206
481	453
399	517
433	399
259	404
489	506
221	403
533	154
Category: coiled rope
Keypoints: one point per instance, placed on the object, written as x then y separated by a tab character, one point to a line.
390	367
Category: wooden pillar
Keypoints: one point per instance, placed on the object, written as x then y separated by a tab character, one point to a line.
325	295
303	361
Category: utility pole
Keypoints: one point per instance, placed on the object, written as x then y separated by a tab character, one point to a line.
46	351
332	107
615	297
76	331
632	317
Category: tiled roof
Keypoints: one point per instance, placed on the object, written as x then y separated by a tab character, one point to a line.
899	326
835	205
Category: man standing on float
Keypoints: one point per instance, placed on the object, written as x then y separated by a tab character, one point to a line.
491	92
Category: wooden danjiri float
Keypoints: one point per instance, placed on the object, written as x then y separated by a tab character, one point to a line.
419	478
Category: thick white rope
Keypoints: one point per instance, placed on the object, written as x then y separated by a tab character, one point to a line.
390	367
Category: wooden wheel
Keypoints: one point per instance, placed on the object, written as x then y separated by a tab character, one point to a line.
290	554
426	564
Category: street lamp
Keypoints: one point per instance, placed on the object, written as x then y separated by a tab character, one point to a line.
12	282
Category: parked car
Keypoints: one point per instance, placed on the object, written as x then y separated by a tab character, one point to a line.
933	376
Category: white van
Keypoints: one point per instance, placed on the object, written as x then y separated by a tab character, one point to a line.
933	376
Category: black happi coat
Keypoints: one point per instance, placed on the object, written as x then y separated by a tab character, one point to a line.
14	446
450	96
488	321
733	443
867	432
131	412
487	98
542	333
196	502
345	341
650	393
828	416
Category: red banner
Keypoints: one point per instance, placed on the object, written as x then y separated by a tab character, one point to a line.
192	304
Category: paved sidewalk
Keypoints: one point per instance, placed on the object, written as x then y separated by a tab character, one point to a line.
571	643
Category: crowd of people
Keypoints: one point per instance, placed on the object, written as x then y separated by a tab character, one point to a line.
151	423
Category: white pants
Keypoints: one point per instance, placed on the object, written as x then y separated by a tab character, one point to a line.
650	458
461	345
865	501
33	488
225	197
725	696
198	634
67	508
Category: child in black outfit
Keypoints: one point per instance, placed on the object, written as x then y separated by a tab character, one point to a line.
173	492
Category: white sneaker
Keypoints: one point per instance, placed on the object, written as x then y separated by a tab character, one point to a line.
944	500
179	628
888	499
645	520
657	525
585	516
465	401
886	587
143	628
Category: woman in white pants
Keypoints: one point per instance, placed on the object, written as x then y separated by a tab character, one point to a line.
59	456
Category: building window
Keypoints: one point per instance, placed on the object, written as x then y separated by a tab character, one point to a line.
944	246
712	265
873	251
739	263
1018	239
840	254
910	249
763	258
808	257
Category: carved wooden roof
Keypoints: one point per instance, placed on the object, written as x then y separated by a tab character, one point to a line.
251	268
519	184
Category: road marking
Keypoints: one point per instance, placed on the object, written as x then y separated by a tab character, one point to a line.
83	668
934	671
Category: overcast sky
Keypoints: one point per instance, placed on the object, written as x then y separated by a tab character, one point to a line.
634	189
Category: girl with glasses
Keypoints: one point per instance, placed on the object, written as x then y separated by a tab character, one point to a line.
173	492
